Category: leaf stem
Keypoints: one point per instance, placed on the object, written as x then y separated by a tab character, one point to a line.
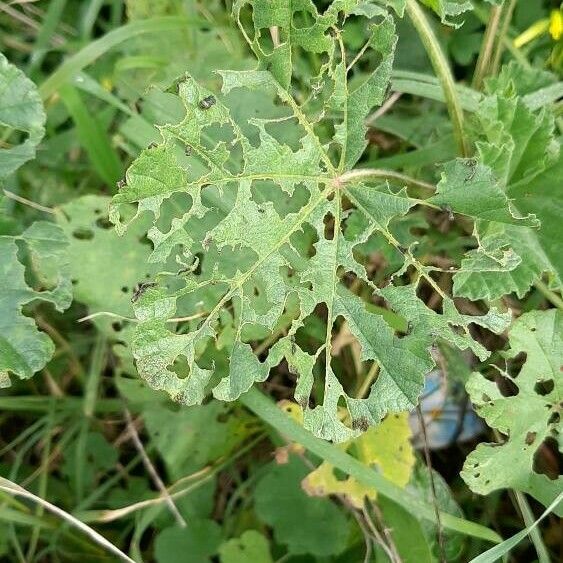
379	173
442	69
507	10
368	380
535	535
484	61
551	296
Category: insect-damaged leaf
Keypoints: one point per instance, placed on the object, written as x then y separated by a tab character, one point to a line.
518	147
256	210
527	417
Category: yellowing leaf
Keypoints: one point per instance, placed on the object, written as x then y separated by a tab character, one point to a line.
386	447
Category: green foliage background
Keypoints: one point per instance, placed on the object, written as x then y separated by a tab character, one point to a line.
235	240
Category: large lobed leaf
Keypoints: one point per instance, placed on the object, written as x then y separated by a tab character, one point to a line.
260	206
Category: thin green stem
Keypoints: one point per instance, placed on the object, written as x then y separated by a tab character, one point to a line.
368	380
507	11
379	173
535	534
551	296
504	38
88	408
442	70
484	67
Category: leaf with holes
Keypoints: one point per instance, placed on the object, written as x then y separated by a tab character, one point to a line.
527	418
92	243
259	233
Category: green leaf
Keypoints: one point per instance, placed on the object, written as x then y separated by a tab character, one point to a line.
24	349
448	9
199	542
251	546
257	218
290	429
279	498
92	243
92	136
519	145
21	113
189	439
527	418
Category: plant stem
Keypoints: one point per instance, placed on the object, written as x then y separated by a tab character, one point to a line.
504	38
368	380
535	535
378	173
442	70
484	61
507	10
551	296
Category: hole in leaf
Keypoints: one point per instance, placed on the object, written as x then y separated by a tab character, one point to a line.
555	418
104	223
548	460
507	387
83	233
180	367
517	362
339	474
329	226
544	387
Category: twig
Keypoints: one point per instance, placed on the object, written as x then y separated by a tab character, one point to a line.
387	105
365	533
29	203
132	320
507	10
390	550
484	60
439	531
152	471
15	490
368	380
26	20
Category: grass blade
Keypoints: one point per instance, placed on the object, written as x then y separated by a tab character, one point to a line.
503	548
92	137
